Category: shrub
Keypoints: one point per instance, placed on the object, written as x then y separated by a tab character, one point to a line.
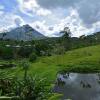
33	88
25	51
56	97
6	53
32	57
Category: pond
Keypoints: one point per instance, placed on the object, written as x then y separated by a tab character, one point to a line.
77	86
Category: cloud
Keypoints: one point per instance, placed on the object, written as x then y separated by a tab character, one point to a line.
42	27
18	21
30	7
49	30
10	21
1	13
51	16
43	12
72	21
27	6
88	10
51	4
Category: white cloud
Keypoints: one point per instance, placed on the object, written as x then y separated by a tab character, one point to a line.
1	13
51	18
26	6
29	7
75	23
72	21
43	28
43	12
8	21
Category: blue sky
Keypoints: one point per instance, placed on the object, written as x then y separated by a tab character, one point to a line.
51	16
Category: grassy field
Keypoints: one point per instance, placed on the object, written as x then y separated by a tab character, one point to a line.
84	60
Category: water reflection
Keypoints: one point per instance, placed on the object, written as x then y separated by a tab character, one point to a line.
78	86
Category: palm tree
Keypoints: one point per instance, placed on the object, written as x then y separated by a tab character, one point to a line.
66	38
25	66
66	32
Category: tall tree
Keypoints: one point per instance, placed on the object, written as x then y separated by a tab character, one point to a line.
66	38
67	32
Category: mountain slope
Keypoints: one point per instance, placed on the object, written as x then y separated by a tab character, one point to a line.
22	33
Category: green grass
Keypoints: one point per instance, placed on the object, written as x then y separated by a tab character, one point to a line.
84	60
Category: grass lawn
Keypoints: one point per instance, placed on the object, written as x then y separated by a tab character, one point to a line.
84	60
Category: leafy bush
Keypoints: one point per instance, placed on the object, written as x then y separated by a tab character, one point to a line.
32	57
27	88
31	89
6	53
56	97
25	51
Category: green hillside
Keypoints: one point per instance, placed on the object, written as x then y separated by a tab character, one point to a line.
84	60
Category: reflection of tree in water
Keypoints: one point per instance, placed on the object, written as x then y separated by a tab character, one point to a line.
98	78
60	80
85	84
66	75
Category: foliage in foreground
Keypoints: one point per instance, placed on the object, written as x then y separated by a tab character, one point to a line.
55	97
32	88
26	88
